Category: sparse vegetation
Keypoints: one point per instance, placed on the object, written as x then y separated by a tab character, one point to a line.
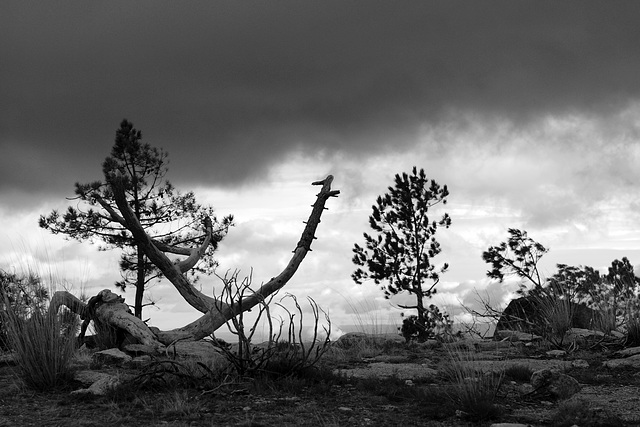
577	412
557	313
44	345
518	373
281	355
473	389
299	377
434	325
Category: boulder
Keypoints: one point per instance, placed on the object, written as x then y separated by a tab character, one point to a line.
628	362
554	384
524	314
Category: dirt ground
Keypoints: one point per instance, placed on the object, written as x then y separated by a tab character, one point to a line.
612	397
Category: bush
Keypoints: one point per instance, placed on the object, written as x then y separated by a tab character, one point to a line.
281	356
633	323
556	311
436	324
44	342
43	350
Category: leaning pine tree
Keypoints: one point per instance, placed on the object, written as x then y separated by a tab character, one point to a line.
400	252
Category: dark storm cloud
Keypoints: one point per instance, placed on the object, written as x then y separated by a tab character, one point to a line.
229	87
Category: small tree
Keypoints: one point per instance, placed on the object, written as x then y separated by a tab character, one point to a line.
175	218
404	244
578	284
518	256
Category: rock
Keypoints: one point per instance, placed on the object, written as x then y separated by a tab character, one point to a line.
631	351
553	383
89	377
99	383
524	314
617	334
141	361
581	335
358	338
629	362
556	353
203	349
111	356
139	349
403	371
513	336
580	363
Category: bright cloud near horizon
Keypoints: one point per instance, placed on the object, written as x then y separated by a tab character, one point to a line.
529	111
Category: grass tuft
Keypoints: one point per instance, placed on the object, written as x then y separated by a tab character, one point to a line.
472	389
520	373
43	342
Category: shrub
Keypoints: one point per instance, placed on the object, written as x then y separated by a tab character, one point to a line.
633	322
282	356
43	343
436	324
557	312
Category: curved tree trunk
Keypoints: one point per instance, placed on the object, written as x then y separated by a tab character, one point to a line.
107	308
110	309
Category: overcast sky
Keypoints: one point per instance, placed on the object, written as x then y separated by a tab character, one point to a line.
528	110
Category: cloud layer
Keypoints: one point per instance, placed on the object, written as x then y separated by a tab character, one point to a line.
230	88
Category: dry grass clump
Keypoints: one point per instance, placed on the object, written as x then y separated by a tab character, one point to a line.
558	314
519	372
472	389
44	344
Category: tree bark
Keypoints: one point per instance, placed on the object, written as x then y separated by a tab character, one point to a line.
113	311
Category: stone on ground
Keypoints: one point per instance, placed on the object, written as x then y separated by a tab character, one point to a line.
555	384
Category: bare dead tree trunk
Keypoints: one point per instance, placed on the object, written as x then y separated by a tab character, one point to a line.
216	312
108	309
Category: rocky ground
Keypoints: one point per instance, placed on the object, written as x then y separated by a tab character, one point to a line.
364	381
